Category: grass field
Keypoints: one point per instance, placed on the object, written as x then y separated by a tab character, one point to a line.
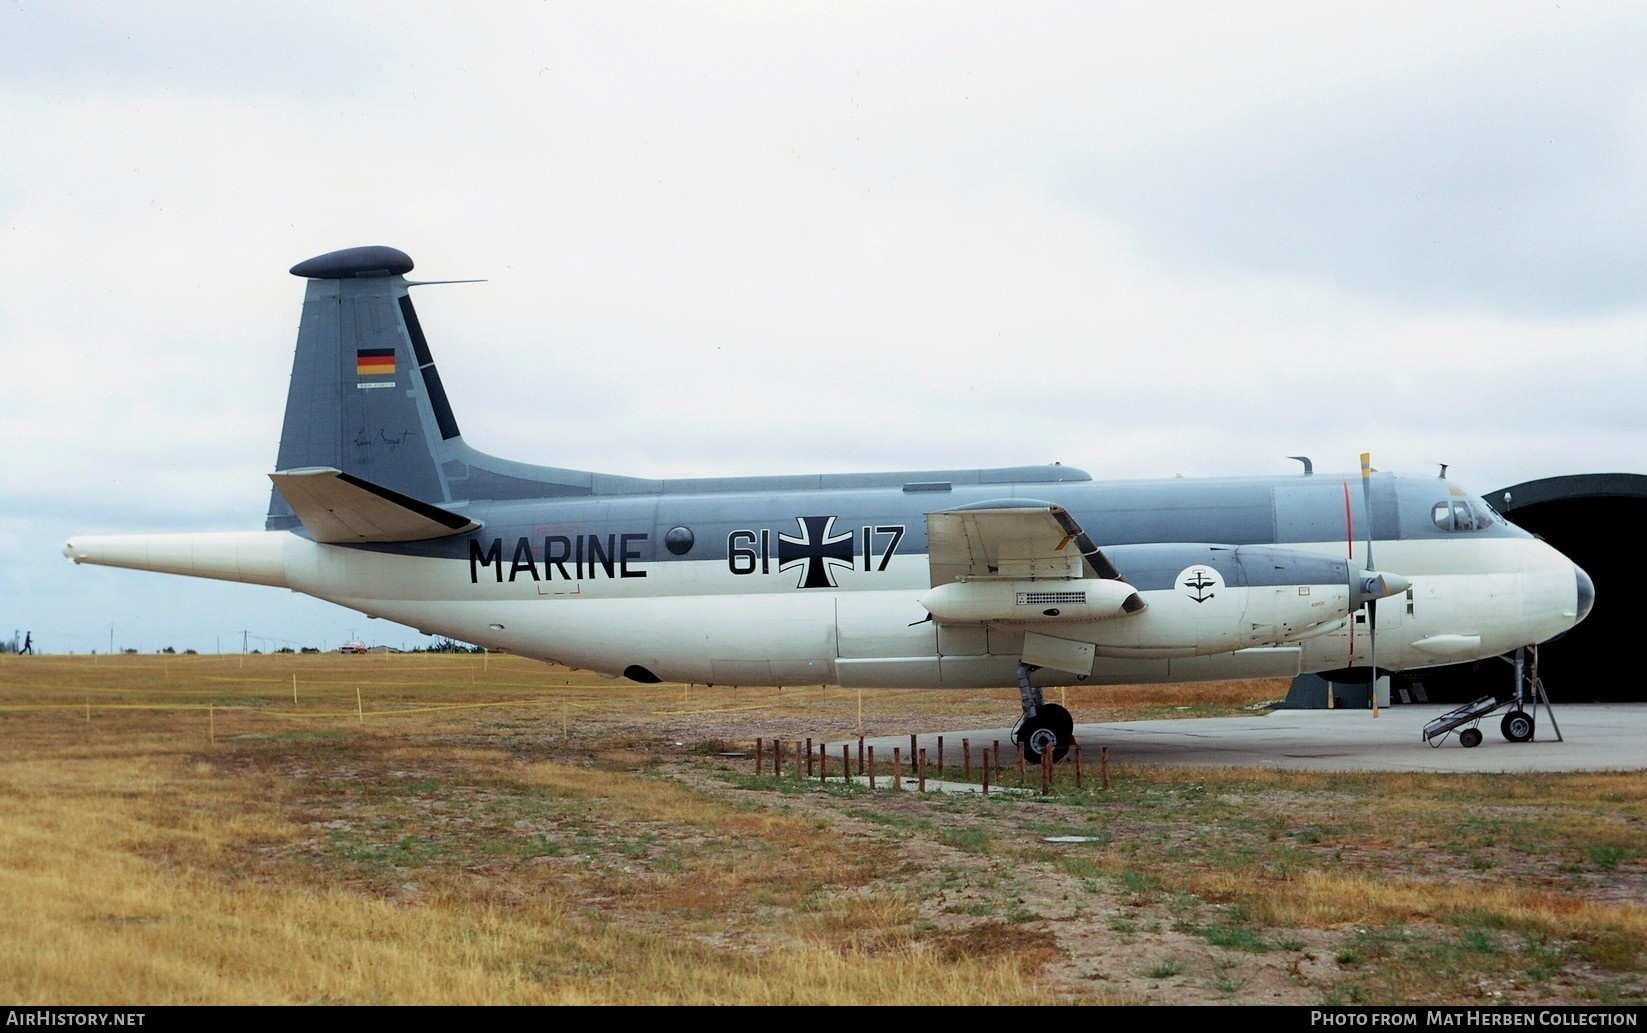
439	829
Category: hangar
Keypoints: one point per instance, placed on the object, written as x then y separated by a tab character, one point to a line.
1579	514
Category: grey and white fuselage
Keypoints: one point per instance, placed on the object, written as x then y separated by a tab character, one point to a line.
933	578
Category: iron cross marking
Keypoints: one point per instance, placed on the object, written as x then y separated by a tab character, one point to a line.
817	549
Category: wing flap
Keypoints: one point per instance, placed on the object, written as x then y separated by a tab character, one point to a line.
1011	539
337	508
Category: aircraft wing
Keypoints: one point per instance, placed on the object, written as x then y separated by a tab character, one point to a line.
337	508
1011	538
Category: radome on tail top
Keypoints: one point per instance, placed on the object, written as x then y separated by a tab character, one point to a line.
1024	576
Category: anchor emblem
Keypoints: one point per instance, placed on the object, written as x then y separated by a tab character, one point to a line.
1200	581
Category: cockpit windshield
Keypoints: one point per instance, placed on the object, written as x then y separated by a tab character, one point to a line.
1462	514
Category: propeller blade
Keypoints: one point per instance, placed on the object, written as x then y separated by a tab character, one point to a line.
1366	497
1349	554
1372	604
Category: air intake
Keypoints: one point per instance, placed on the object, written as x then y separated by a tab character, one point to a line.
1051	598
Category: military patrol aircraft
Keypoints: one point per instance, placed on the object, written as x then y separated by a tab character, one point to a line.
1027	576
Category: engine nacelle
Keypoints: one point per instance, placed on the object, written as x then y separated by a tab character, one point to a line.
1205	599
1178	599
1213	617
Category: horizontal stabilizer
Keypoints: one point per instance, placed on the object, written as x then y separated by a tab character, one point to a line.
337	508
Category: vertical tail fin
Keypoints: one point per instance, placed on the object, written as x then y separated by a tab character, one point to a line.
365	397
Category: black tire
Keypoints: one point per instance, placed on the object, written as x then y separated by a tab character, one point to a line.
1517	726
1469	738
1041	733
1060	721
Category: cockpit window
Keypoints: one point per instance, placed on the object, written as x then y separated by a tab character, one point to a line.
1461	515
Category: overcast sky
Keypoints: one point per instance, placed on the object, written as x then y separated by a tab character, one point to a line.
1148	239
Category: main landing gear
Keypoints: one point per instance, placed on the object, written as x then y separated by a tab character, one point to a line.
1044	726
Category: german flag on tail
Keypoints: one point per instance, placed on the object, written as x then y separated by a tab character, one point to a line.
375	362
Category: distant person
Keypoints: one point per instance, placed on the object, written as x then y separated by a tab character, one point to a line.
28	643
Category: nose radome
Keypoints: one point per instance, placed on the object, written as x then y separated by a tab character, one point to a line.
1586	592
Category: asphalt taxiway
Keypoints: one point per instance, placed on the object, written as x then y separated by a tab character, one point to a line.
1574	737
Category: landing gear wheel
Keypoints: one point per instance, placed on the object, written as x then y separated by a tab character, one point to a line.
1048	730
1469	737
1517	726
1060	721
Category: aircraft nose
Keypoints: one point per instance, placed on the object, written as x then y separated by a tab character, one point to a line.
1586	592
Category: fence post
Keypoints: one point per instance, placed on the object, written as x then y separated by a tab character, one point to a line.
920	781
897	769
966	758
871	765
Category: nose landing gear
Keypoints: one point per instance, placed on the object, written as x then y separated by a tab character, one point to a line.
1517	726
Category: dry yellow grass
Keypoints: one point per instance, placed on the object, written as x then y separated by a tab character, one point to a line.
121	880
473	829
